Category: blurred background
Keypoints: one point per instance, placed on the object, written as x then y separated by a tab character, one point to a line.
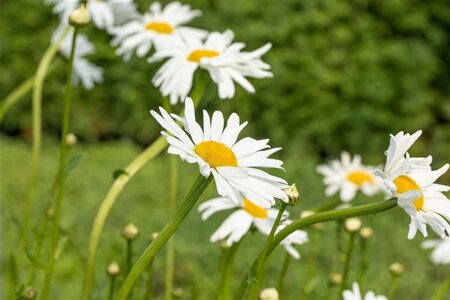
346	75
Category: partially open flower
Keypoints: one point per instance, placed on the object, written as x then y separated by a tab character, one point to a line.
293	195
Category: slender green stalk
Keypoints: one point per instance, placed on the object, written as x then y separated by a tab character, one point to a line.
40	242
226	271
363	264
197	189
37	130
351	243
118	185
15	95
254	284
61	172
322	217
172	205
112	282
441	292
149	292
393	288
284	268
129	254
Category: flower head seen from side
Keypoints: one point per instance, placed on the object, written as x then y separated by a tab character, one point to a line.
84	71
224	60
216	149
412	181
348	176
104	13
355	294
247	215
158	26
441	250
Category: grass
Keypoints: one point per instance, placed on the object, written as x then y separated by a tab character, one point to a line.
197	260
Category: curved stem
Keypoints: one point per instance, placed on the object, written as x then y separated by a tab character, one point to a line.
15	95
197	189
37	129
351	243
61	172
319	218
254	284
118	185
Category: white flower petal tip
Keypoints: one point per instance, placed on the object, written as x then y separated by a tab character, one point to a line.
355	294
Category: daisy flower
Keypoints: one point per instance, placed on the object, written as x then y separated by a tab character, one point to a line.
215	148
104	13
83	70
348	176
246	215
412	182
355	294
441	252
223	59
156	26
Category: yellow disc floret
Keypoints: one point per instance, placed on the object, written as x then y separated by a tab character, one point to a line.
216	154
197	55
159	27
360	177
404	184
254	210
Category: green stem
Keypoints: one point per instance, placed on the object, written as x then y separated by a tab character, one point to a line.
15	95
111	288
351	243
197	189
322	217
61	172
441	292
37	255
284	268
254	284
170	258
226	274
129	254
363	263
38	83
393	288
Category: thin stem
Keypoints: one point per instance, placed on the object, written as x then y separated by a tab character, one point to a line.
129	254
393	288
149	292
363	262
61	172
111	287
442	291
197	189
254	284
15	95
38	83
170	258
284	268
351	243
226	274
37	255
322	217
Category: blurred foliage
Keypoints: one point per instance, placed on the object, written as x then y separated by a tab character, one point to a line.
346	73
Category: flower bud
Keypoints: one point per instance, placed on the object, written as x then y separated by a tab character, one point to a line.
154	235
80	17
71	139
50	213
178	292
130	232
113	269
292	194
353	224
335	279
366	232
396	269
29	293
269	294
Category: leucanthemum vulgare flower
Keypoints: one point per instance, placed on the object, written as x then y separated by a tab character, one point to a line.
355	294
215	148
441	250
223	59
84	71
246	215
154	28
412	181
104	13
348	176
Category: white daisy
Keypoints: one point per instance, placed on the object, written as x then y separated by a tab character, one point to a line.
222	58
441	252
355	294
155	27
234	164
248	214
83	70
411	181
104	13
348	176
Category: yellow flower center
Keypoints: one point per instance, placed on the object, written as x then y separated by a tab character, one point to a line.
255	210
360	177
159	27
216	154
405	183
197	55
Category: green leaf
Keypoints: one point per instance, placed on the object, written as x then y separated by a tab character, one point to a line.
73	162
